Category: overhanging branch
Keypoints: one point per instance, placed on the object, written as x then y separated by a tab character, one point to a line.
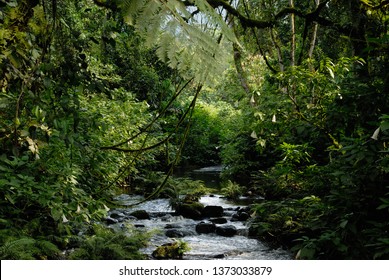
246	21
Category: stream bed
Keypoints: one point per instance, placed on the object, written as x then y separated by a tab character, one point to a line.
168	226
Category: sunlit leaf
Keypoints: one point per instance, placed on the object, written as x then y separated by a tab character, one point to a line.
331	72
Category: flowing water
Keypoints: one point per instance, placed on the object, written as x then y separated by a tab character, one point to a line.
202	246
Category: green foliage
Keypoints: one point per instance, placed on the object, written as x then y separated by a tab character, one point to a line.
185	190
16	247
105	244
232	190
67	91
281	222
207	128
86	108
183	41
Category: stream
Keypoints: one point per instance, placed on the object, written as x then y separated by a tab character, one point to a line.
168	226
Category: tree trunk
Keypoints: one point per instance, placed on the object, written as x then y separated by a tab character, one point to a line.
279	53
293	29
239	69
313	39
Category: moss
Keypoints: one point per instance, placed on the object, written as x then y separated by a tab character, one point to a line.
190	210
173	250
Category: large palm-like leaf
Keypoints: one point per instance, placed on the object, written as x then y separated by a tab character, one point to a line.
187	39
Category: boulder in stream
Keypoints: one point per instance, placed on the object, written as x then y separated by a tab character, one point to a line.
141	215
111	221
177	233
190	210
169	226
213	211
227	231
173	250
243	216
204	227
220	220
116	214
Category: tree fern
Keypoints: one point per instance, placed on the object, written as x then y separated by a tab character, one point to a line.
183	41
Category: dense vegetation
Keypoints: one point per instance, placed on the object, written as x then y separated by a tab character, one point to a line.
102	97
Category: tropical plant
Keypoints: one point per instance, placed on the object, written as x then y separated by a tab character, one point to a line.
106	244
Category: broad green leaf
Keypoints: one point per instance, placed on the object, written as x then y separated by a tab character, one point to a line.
384	125
331	72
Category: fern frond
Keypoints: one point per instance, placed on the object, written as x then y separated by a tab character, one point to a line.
17	249
47	250
181	39
131	9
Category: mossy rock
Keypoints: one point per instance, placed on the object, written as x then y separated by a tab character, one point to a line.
190	210
141	215
173	251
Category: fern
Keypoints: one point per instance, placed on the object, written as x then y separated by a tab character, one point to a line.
46	250
19	249
106	244
183	42
26	248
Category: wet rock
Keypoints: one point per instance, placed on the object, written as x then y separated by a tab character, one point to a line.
235	217
228	213
168	251
246	209
167	218
111	221
178	233
141	215
168	226
213	211
139	226
227	231
243	216
218	220
190	210
174	233
116	214
205	228
242	231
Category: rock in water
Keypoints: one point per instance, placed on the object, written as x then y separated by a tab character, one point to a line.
205	227
176	233
218	220
213	211
141	215
111	221
227	231
116	214
190	210
173	250
243	216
